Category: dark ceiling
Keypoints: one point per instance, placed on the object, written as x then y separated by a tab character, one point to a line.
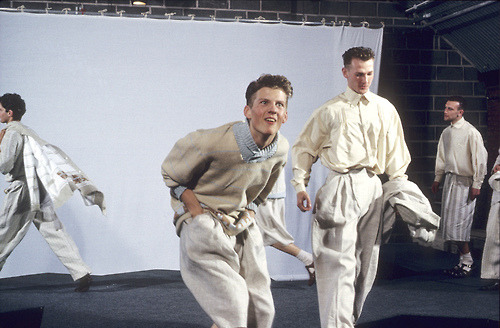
471	27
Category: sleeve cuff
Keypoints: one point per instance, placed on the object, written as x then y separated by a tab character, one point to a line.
177	192
477	184
403	177
252	206
299	187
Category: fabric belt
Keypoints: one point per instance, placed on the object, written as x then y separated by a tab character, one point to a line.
231	226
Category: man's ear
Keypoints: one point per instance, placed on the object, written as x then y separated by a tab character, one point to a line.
344	72
246	112
285	118
10	113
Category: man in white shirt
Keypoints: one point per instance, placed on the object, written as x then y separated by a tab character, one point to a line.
357	135
490	262
461	158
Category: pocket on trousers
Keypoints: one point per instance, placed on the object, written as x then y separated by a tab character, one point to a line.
13	202
327	208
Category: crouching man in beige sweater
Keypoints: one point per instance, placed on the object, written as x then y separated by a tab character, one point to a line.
217	178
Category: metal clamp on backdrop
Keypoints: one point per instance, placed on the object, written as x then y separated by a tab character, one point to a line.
169	15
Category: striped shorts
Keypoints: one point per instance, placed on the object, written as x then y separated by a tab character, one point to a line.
457	210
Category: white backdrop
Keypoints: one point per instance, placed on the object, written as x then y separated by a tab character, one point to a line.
116	93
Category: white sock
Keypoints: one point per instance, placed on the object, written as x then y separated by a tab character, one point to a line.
305	257
466	259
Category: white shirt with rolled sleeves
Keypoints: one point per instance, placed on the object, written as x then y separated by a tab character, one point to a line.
461	151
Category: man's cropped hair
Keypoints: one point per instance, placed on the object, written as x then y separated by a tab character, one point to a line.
459	99
269	81
14	102
357	52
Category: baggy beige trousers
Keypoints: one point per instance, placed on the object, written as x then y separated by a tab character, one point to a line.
227	274
345	240
16	217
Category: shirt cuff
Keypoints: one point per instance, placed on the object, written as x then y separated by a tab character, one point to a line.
277	195
403	177
299	187
252	206
477	184
177	192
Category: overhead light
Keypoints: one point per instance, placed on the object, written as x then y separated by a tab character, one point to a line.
138	3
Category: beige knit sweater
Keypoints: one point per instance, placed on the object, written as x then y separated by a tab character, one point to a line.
210	163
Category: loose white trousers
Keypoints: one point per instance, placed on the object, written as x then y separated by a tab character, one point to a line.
490	264
227	274
16	217
346	234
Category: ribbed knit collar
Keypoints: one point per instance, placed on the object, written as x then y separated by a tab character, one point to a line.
250	152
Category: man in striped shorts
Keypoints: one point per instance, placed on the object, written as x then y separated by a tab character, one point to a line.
461	158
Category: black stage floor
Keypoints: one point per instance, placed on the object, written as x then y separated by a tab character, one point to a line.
410	291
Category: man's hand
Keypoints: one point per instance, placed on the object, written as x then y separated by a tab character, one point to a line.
303	201
495	169
473	193
251	213
191	202
435	187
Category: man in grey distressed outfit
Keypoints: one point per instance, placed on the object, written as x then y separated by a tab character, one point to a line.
461	158
17	212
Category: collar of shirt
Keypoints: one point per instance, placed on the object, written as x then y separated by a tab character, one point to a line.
250	152
13	123
353	97
458	124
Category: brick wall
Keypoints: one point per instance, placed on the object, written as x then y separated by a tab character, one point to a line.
419	69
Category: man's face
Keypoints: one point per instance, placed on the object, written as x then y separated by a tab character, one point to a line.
452	112
4	115
359	75
266	114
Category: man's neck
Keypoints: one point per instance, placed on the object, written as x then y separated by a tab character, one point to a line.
263	142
